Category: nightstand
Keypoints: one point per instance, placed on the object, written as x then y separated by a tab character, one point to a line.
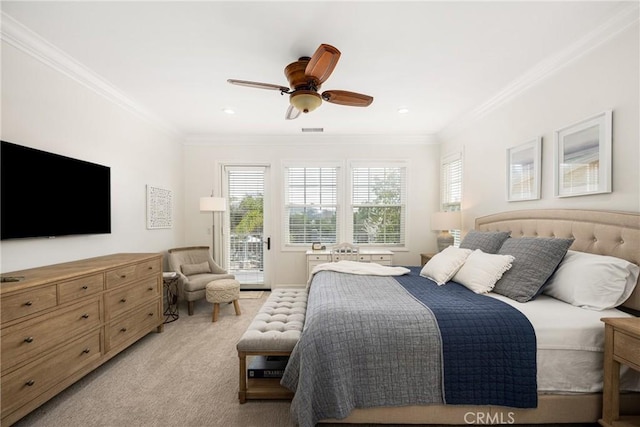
621	346
424	258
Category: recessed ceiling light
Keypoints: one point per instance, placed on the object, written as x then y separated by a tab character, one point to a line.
229	110
403	110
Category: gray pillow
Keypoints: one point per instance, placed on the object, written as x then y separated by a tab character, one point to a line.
536	258
487	241
191	269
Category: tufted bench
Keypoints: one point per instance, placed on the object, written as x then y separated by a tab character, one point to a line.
273	332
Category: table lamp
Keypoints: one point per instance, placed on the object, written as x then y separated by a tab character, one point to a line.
443	222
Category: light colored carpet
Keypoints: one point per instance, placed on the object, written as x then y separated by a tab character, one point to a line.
184	376
251	294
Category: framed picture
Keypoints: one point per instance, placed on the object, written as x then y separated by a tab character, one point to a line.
582	157
159	210
523	171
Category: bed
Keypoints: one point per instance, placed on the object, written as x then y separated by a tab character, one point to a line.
560	394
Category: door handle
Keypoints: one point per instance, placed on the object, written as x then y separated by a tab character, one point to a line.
268	243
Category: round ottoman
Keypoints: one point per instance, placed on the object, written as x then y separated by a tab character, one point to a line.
223	291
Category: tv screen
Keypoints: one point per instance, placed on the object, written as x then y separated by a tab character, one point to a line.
46	195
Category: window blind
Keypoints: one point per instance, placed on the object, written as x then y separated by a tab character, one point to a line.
378	205
451	187
311	212
246	218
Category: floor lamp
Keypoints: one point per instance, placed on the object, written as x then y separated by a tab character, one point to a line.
213	204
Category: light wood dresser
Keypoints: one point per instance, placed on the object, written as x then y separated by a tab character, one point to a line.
59	322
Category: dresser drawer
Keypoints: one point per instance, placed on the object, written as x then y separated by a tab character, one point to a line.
121	300
627	347
23	385
34	337
321	258
29	302
78	288
148	268
120	276
364	258
133	324
382	259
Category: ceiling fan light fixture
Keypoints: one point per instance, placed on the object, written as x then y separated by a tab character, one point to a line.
305	100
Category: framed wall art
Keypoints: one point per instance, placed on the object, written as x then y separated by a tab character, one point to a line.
582	157
523	171
159	214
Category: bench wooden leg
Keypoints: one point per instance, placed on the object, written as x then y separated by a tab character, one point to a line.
242	392
237	307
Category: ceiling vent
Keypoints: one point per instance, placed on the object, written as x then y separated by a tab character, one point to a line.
312	129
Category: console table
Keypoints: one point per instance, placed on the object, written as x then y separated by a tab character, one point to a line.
60	322
379	256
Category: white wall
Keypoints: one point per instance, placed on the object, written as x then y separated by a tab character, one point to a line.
202	171
605	78
44	109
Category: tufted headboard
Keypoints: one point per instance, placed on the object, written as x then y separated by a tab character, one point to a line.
598	232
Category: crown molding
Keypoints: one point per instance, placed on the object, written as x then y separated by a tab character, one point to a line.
624	18
22	38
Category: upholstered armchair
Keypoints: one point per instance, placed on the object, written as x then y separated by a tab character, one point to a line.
196	268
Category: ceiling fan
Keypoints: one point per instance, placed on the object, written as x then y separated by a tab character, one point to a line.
305	77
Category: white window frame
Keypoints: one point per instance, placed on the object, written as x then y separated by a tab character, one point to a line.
403	203
286	245
344	209
446	204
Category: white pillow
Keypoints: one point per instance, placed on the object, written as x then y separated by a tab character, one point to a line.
481	271
443	265
596	282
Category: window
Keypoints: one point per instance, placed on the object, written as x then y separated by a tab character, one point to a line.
451	187
378	205
311	211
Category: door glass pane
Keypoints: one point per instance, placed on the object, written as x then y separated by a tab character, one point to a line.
246	224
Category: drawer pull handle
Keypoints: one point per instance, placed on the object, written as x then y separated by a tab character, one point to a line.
28	303
149	288
150	268
85	287
85	316
30	383
123	276
123	330
123	300
86	351
28	340
150	314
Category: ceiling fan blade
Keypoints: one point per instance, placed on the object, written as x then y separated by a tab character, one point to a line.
322	63
292	113
344	97
258	85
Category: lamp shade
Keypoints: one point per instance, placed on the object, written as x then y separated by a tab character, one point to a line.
305	100
445	221
213	204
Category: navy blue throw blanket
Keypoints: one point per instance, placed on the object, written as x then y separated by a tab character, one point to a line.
489	347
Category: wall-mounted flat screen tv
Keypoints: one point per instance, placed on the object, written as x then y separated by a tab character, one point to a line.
46	195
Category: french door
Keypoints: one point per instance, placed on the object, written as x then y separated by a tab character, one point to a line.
247	239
